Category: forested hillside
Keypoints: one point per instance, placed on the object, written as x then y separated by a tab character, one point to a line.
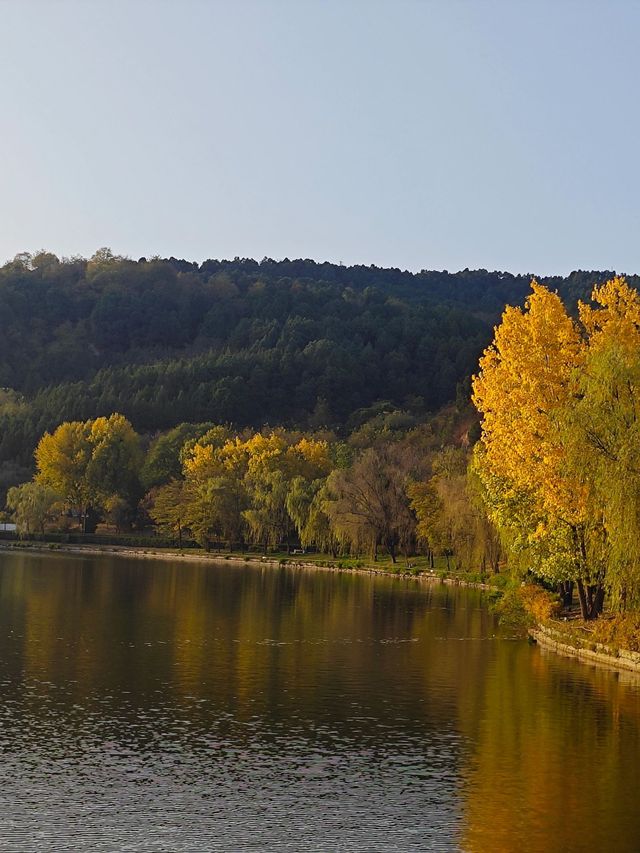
297	343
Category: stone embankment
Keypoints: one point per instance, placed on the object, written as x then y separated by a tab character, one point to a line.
565	642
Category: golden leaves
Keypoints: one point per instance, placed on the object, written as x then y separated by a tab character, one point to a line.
524	383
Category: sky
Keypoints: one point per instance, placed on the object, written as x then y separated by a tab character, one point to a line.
439	134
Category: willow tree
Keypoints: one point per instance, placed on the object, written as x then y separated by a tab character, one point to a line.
451	516
237	485
367	503
605	427
214	494
274	462
32	505
306	507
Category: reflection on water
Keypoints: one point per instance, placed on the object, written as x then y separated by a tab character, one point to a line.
161	707
555	758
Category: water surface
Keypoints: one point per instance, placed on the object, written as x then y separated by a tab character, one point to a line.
160	706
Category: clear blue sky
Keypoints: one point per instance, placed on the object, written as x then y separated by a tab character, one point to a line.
412	134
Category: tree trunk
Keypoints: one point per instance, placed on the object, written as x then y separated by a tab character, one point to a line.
495	563
582	598
565	590
598	599
591	600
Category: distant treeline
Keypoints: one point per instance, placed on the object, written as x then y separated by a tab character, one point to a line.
296	343
397	492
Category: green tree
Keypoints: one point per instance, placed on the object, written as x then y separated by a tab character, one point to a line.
32	505
163	459
116	459
267	518
168	509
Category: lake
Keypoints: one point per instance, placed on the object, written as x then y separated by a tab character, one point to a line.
168	706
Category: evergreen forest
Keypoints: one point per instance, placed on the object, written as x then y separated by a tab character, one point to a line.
292	343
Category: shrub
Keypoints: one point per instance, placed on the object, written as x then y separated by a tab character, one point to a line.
521	606
620	632
510	610
540	603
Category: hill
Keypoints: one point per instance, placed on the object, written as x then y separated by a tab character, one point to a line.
297	343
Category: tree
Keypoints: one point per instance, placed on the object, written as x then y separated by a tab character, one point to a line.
32	505
162	462
306	507
525	393
116	459
428	508
62	460
268	521
451	517
215	495
168	509
605	427
91	463
367	503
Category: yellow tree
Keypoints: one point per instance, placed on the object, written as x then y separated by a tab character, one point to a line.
62	460
214	496
273	461
116	458
524	392
91	463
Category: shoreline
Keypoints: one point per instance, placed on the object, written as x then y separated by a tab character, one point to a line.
544	635
136	552
597	654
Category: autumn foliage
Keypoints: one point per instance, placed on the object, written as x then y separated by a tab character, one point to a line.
559	455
